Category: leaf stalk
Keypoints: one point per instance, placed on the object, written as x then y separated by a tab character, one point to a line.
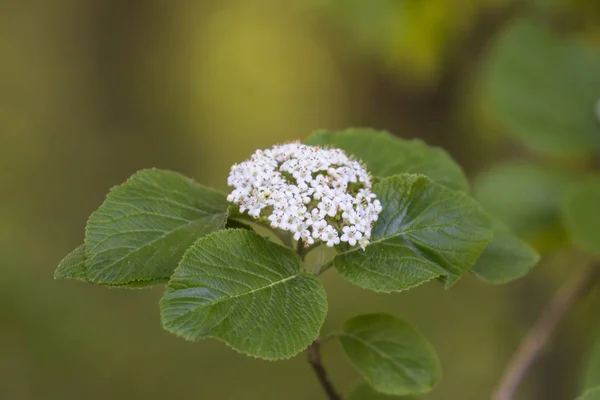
540	333
314	358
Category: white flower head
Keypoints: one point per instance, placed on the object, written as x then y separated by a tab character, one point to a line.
313	192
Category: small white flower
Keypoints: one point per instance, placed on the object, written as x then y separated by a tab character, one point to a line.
363	242
330	236
351	235
315	193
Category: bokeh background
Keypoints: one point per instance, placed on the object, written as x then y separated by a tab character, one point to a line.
93	90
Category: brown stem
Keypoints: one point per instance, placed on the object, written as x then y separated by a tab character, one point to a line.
301	250
538	336
314	358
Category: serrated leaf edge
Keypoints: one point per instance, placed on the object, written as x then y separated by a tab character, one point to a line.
116	187
301	273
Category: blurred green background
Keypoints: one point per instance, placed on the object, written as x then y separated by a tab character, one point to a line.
93	90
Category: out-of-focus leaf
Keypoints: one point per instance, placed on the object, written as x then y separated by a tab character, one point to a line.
390	354
590	394
526	197
387	155
424	231
543	88
506	258
364	391
251	293
410	37
582	215
591	374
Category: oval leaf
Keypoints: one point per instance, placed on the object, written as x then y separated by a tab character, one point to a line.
391	355
72	266
363	391
387	155
527	198
582	217
543	87
424	231
145	225
506	258
237	286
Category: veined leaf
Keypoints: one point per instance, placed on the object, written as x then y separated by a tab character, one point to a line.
582	217
146	284
387	155
424	231
251	293
235	224
72	266
506	258
391	355
145	225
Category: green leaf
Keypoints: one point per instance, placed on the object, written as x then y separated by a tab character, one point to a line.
591	375
526	197
72	266
390	354
145	225
387	155
424	231
250	293
506	258
139	284
581	215
363	391
590	394
544	88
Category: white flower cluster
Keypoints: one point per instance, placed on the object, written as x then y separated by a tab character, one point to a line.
316	193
